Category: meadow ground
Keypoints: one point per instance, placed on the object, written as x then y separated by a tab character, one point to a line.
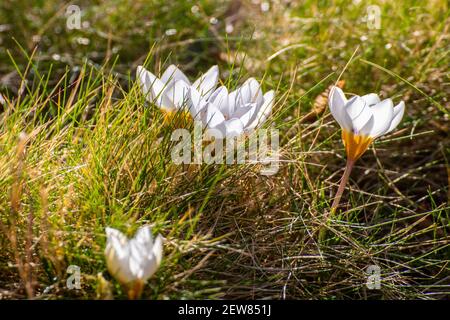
80	150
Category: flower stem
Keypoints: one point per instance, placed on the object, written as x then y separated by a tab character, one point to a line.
337	197
344	180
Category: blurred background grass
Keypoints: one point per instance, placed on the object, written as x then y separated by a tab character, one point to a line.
96	156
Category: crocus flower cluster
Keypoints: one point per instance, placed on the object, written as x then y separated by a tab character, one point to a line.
170	92
133	261
222	113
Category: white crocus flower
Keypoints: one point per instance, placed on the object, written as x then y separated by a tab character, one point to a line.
133	261
362	119
227	114
171	90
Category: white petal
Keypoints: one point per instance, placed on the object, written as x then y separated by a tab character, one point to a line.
336	98
246	113
173	74
355	107
207	82
153	89
217	92
269	99
149	268
138	259
250	92
141	77
232	102
213	116
117	242
371	99
150	85
367	128
264	111
145	256
220	99
382	116
158	249
399	110
358	112
362	120
114	233
144	236
337	102
178	93
234	128
118	267
196	104
117	255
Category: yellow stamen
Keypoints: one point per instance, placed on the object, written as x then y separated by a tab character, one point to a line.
177	119
355	144
135	290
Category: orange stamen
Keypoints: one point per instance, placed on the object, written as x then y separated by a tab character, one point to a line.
355	144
